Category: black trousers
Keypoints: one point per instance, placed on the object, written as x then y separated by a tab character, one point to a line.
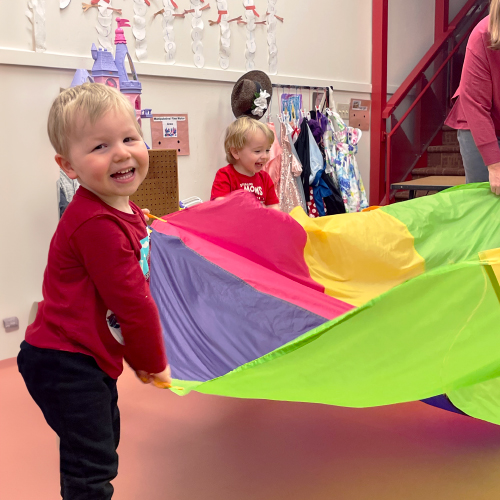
79	401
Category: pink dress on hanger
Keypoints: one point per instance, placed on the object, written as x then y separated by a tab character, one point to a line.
290	168
273	166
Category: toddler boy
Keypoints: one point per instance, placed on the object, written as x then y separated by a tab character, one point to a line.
247	144
97	308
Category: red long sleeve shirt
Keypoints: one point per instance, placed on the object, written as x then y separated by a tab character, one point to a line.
96	297
477	107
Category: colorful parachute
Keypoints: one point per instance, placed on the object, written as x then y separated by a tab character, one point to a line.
364	309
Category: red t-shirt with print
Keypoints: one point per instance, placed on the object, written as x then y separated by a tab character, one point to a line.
228	180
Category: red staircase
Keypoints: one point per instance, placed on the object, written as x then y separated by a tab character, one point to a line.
407	135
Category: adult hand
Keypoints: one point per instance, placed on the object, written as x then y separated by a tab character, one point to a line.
494	170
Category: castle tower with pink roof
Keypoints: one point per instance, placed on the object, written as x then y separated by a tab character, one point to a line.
131	88
112	71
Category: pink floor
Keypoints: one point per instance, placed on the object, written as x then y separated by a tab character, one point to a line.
211	448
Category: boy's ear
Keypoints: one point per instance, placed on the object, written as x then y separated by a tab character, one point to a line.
65	165
234	152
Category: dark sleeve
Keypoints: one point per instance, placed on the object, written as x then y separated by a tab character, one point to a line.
113	267
221	185
271	197
63	202
476	96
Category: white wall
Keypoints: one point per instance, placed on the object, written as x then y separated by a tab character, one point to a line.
27	191
411	34
455	6
323	42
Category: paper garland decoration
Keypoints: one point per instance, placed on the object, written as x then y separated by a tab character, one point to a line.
251	47
87	6
271	37
104	25
139	29
168	30
36	15
105	32
197	32
225	34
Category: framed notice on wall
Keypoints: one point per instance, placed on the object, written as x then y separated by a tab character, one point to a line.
359	114
170	132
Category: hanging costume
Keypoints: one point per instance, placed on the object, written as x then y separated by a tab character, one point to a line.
273	166
345	144
325	195
302	149
289	194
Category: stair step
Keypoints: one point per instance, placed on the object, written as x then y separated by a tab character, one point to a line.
441	160
405	195
417	173
449	138
446	148
444	156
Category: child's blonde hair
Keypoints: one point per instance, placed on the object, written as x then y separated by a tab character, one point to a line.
494	28
236	134
89	101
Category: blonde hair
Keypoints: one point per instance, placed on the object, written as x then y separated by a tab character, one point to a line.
494	27
89	101
237	134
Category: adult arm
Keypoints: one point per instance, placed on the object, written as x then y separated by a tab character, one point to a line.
476	97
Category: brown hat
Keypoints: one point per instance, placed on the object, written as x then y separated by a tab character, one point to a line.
246	96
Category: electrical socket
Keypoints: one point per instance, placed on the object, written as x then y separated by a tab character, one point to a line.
343	111
11	324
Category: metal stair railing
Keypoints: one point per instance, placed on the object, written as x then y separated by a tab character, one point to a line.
417	110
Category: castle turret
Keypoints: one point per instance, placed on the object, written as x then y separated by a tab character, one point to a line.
104	69
81	76
132	89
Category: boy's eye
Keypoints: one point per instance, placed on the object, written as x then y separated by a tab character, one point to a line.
99	147
128	139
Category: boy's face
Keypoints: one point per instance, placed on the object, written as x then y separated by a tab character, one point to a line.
108	158
254	155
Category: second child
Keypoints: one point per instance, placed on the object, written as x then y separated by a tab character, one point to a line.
247	145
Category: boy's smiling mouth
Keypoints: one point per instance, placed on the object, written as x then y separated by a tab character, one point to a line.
123	175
